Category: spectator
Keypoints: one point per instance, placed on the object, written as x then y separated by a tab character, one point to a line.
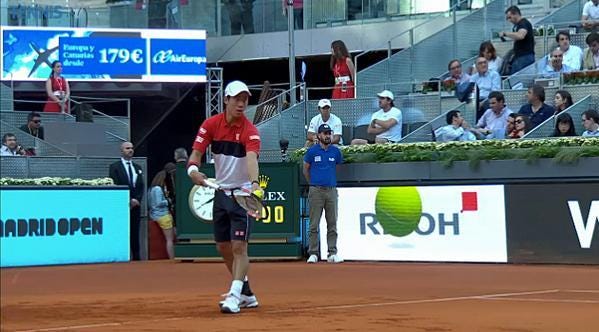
384	123
524	40
160	210
562	100
10	147
126	172
455	72
564	126
493	123
591	54
457	129
180	155
487	51
521	127
590	122
343	70
572	53
240	15
58	90
590	15
556	65
511	122
485	79
33	126
169	183
298	12
536	110
325	116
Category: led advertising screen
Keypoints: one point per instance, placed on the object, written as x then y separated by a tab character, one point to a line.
127	55
63	226
428	223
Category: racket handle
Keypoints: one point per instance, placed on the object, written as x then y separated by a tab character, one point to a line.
211	184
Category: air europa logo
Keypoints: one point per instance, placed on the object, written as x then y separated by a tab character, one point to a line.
50	227
169	56
399	213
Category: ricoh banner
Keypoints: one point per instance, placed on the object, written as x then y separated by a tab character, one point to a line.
441	223
47	226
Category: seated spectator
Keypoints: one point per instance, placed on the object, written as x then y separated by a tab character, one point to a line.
572	53
590	122
325	116
556	66
494	121
511	122
536	110
564	126
384	123
562	100
33	126
457	129
521	127
590	15
10	147
159	207
486	80
590	56
487	51
455	72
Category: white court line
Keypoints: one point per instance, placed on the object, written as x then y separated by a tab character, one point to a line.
445	299
540	300
580	290
365	305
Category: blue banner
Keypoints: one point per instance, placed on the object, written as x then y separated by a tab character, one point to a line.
63	226
104	54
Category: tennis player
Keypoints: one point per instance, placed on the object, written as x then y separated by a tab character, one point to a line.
235	144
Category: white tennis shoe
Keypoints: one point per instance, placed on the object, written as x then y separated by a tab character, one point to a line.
334	259
312	259
230	305
245	301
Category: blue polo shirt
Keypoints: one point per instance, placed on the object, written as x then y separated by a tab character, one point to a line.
323	165
544	113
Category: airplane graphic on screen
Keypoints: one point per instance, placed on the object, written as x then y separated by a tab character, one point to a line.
42	57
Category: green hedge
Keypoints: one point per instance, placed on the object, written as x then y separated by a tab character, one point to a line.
563	150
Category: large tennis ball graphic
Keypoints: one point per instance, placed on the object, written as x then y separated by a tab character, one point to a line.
398	209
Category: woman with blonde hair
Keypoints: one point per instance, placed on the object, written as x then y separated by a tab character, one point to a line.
159	206
344	71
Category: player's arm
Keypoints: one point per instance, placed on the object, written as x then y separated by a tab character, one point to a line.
193	167
253	170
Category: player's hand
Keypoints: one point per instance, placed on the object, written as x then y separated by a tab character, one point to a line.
198	178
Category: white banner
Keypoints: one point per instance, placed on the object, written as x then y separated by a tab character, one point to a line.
443	223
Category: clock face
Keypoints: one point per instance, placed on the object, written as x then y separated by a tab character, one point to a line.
201	200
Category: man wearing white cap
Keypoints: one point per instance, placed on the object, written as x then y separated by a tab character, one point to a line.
384	123
235	144
325	116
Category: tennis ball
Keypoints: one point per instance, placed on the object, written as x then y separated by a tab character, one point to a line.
398	209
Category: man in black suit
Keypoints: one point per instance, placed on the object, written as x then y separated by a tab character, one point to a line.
126	172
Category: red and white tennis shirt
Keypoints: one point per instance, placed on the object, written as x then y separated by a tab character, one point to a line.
230	144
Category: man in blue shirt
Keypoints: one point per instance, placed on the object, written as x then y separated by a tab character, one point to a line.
536	109
320	170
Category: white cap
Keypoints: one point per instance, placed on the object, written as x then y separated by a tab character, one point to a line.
236	87
385	94
324	102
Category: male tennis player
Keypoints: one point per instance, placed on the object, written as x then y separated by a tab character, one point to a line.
235	147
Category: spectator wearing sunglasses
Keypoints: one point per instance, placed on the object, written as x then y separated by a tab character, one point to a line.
521	127
34	125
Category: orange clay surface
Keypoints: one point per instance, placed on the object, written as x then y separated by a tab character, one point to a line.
294	296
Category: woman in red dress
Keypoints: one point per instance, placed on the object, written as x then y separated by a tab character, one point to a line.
58	91
343	70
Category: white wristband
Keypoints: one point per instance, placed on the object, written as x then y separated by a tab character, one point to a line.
192	168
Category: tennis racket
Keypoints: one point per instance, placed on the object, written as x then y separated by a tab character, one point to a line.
252	204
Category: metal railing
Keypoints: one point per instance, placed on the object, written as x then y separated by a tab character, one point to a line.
28	141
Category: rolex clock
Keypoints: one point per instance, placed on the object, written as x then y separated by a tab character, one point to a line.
201	200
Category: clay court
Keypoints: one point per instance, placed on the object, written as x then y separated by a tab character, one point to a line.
294	296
